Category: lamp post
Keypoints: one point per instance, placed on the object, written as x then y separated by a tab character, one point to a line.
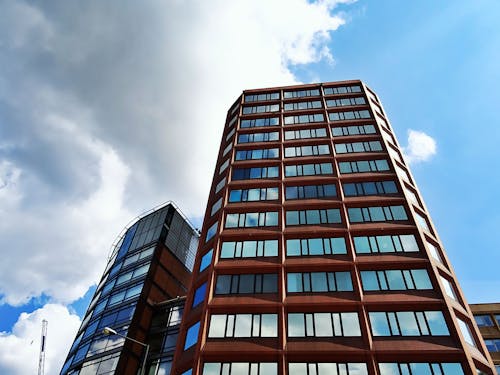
111	331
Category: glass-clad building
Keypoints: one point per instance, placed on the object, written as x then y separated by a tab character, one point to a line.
317	254
150	264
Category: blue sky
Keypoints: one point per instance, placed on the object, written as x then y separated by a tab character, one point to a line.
94	99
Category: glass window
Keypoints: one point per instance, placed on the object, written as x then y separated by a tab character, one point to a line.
267	153
255	173
316	246
323	324
408	323
261	109
341	90
216	206
313	150
192	335
372	146
493	345
300	93
251	219
353	130
314	104
466	333
363	166
199	295
224	166
420	368
220	185
376	214
259	137
327	368
245	325
305	133
395	280
211	231
253	195
206	260
349	115
245	249
262	97
319	282
345	102
483	320
247	284
240	368
308	169
304	119
448	288
311	217
259	122
369	188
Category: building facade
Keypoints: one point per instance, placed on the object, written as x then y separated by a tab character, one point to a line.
139	296
317	254
487	316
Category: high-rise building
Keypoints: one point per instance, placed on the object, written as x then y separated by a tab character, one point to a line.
317	254
487	316
140	296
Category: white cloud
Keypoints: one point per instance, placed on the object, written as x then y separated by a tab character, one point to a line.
421	147
102	117
107	109
20	349
59	248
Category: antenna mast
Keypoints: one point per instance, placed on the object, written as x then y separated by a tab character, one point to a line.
41	361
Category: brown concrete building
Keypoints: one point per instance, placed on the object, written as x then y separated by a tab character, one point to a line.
487	316
317	254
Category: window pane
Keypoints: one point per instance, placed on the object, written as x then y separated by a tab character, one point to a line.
437	324
243	325
296	326
350	324
379	324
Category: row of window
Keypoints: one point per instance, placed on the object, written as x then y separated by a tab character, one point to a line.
314	104
320	246
327	324
306	134
314	169
301	93
307	150
332	368
314	217
311	192
297	119
315	282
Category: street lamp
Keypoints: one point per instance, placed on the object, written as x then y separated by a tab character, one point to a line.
111	331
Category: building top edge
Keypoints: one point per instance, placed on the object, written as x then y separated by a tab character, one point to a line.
305	85
143	215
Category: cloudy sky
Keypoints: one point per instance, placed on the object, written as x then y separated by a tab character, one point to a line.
97	100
